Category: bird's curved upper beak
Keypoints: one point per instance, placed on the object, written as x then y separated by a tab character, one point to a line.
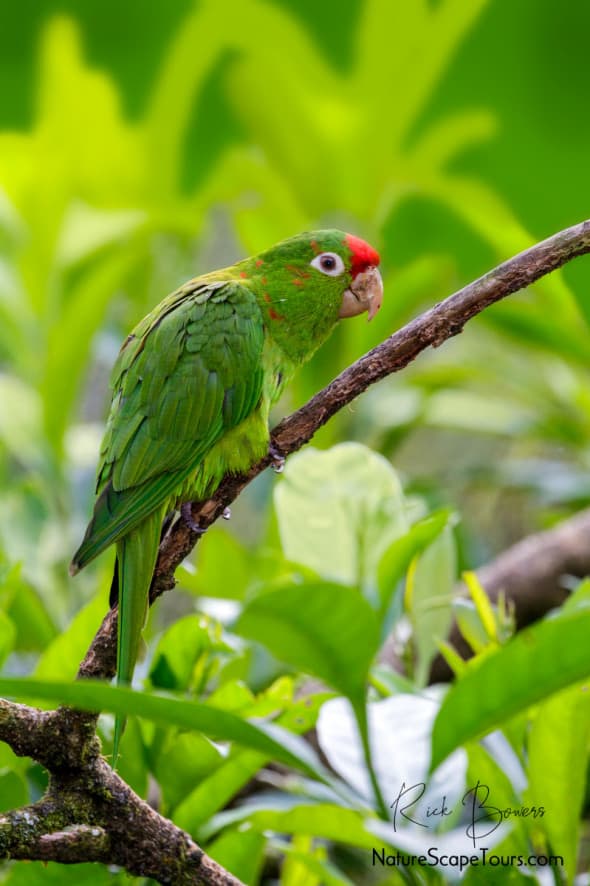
365	293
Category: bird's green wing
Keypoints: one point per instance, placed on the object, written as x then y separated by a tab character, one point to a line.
189	372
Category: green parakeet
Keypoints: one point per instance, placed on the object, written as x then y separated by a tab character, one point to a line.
192	389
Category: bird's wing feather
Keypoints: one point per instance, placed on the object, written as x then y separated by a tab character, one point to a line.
187	374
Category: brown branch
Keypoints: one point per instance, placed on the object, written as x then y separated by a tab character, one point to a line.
533	575
88	812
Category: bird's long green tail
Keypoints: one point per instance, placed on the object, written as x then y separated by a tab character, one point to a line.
136	555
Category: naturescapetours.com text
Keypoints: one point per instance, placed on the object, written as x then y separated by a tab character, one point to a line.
484	857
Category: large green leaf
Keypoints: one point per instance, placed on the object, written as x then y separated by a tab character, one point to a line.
59	660
216	789
538	662
557	766
337	510
186	759
94	696
241	852
324	629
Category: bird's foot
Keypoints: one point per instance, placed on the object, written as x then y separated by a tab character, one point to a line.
186	512
226	514
277	461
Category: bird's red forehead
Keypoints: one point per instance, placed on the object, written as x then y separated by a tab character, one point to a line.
363	255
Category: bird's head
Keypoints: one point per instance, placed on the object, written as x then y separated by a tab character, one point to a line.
307	283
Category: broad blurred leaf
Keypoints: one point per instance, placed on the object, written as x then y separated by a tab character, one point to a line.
303	856
20	419
62	656
13	791
93	696
240	851
557	769
209	580
240	766
337	511
536	663
185	760
7	637
326	630
40	873
322	820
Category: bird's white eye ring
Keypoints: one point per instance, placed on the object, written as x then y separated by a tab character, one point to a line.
328	263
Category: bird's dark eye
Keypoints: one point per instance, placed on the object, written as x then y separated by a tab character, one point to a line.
328	263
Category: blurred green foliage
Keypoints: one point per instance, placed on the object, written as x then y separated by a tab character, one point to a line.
142	144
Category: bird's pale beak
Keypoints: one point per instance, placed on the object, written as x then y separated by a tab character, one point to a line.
365	293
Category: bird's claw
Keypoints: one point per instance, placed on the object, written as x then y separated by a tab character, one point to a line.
186	512
277	461
226	514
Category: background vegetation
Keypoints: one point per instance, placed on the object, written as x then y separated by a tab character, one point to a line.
141	144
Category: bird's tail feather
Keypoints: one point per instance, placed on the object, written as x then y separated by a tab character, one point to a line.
136	559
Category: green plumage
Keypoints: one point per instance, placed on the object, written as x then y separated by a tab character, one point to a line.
192	388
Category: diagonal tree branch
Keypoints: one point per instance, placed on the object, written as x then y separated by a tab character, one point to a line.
88	812
431	328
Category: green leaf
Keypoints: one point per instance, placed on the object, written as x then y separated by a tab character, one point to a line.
219	786
241	852
88	230
323	629
538	662
184	652
60	659
470	625
13	791
323	820
42	873
302	856
132	762
429	599
91	695
558	744
7	636
338	510
34	627
398	556
217	789
20	419
488	765
186	759
223	568
69	339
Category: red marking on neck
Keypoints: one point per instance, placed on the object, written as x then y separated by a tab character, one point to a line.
259	262
297	282
243	274
274	316
363	255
